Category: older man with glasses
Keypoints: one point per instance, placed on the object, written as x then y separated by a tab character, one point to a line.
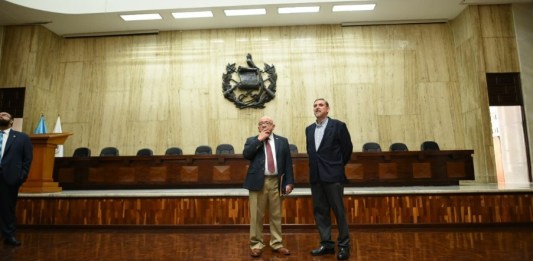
268	178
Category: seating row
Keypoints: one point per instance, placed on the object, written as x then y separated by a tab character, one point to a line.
228	149
425	146
172	151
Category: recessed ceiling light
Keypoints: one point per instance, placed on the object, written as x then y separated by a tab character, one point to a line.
348	8
300	9
180	15
140	17
260	11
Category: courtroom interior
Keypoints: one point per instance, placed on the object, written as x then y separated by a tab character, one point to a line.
154	116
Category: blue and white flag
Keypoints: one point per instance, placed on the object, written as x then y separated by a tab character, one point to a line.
58	129
41	127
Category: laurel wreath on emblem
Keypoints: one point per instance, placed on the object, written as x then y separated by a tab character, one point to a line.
251	91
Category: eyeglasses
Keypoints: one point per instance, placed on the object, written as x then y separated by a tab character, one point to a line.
265	123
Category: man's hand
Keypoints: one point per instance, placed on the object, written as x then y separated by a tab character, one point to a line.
288	189
265	133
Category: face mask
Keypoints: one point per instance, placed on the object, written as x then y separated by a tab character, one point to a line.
4	123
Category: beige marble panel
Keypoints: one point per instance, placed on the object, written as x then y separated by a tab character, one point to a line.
481	47
524	38
500	54
16	67
400	128
496	21
1	40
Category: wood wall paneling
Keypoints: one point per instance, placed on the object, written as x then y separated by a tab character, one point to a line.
438	209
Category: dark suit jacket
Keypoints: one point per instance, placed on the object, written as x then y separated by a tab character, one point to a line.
255	152
17	158
333	154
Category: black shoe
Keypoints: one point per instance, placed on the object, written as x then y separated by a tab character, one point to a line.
322	250
344	253
12	241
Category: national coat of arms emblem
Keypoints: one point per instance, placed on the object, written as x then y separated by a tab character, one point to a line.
251	91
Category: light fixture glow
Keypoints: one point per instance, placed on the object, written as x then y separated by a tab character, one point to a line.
141	17
349	8
297	10
239	12
181	15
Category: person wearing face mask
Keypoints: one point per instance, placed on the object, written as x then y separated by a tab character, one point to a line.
329	148
269	177
16	153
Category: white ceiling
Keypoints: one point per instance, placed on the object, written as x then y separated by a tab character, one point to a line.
100	17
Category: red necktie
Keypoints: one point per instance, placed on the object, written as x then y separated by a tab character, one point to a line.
270	158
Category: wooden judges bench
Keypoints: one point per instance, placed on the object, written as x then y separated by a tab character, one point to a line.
410	168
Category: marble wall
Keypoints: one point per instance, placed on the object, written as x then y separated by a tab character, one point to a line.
389	83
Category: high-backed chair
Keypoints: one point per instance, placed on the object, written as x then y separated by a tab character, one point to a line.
109	151
429	146
173	151
203	150
145	152
225	149
371	147
82	152
293	148
398	147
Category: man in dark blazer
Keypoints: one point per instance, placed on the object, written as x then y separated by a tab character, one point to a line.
329	148
269	177
16	153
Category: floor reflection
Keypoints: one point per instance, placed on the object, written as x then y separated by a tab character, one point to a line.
482	243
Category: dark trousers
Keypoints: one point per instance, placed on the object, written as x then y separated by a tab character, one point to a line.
328	197
8	202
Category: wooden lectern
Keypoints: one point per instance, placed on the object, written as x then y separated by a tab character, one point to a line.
42	167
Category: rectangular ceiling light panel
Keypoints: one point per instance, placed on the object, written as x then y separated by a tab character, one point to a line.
239	12
141	17
349	8
200	14
297	10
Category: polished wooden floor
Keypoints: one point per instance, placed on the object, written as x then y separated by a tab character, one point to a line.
395	244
